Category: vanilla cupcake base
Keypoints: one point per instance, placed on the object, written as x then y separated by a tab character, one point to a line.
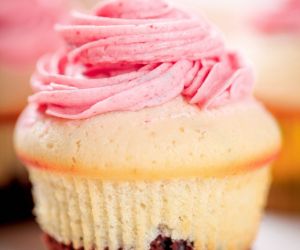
123	179
209	213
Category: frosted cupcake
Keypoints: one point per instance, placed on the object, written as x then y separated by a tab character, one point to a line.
144	135
26	33
275	50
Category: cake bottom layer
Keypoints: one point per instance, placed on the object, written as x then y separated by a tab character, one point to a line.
16	202
205	213
160	243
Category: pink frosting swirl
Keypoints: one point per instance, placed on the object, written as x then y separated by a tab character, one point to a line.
284	16
26	29
133	54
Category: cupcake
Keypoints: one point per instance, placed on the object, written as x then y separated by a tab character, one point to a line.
274	46
227	15
26	33
142	133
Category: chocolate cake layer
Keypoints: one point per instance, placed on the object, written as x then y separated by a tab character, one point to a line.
16	202
160	243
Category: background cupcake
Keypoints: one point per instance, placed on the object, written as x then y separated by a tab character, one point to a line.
26	31
228	16
143	136
273	43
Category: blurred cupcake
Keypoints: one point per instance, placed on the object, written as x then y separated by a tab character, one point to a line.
143	134
26	33
226	15
274	46
84	4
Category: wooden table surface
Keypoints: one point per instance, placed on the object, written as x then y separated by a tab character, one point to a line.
278	232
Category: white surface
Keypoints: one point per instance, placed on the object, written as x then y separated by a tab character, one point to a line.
278	232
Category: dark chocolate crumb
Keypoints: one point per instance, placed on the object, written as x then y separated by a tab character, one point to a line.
166	243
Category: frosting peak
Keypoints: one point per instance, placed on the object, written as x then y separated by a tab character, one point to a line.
132	54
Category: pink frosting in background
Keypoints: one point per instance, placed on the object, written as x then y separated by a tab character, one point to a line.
284	17
129	55
26	29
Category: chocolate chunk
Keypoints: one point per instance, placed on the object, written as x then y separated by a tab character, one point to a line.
166	243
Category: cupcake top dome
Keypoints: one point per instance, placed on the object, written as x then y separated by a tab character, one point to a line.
131	54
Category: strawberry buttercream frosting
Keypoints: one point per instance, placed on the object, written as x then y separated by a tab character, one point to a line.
282	17
132	54
26	29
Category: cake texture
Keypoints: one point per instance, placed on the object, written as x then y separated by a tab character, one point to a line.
142	133
275	49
